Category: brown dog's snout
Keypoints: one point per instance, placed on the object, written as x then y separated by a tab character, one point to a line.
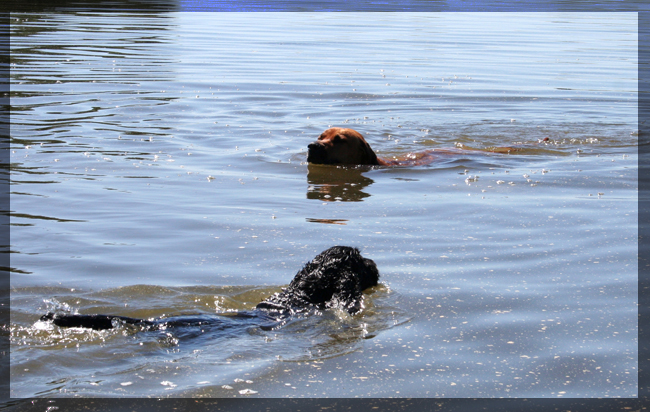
315	146
316	153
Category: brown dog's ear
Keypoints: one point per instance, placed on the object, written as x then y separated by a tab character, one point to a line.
371	156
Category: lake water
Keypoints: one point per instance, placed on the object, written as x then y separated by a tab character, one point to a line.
158	166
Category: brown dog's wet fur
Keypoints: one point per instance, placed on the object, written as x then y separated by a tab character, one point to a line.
343	146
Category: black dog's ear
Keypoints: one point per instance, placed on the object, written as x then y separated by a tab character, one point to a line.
348	295
358	274
369	275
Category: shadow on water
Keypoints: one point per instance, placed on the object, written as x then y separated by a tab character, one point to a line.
229	324
127	355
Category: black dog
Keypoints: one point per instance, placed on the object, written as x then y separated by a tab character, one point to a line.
336	278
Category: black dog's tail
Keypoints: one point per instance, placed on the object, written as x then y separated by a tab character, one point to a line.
97	322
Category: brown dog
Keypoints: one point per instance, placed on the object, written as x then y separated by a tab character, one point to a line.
342	146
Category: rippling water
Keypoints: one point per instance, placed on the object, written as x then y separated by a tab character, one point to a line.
158	168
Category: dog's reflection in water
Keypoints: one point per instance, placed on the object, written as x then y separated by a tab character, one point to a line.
331	184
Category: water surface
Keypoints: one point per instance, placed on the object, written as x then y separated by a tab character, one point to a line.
158	168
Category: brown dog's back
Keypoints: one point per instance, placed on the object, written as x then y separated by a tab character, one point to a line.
344	146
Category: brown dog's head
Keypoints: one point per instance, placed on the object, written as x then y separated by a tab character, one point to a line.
341	146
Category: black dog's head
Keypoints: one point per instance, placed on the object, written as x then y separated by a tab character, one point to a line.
335	278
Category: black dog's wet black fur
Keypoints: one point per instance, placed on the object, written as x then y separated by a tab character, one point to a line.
336	278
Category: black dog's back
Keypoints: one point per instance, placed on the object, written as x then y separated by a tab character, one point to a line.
336	278
98	322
